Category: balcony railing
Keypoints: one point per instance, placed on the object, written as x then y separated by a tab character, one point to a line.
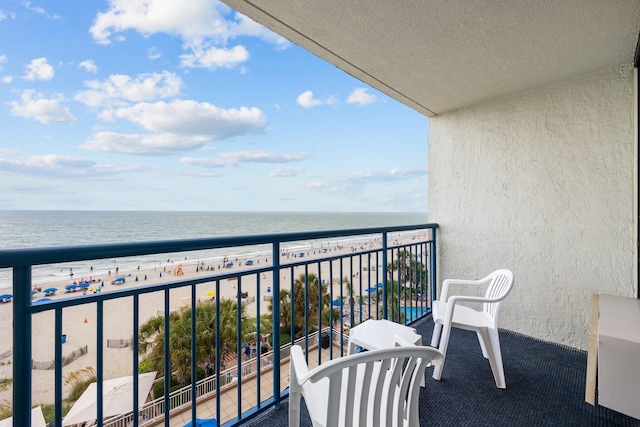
310	285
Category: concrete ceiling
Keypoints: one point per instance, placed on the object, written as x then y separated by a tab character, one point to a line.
438	56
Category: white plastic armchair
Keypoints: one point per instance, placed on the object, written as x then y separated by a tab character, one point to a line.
447	313
379	387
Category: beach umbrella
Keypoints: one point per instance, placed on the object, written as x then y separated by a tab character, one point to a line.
211	294
6	297
83	285
50	291
42	300
371	290
117	399
37	419
337	303
249	262
209	422
229	264
71	287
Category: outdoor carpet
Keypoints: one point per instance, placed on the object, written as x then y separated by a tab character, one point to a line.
545	387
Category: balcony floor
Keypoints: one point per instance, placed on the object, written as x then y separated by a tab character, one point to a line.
545	387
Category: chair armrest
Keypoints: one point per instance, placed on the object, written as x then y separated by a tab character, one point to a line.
459	298
299	364
448	282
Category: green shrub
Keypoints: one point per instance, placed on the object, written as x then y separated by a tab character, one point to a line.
49	411
79	381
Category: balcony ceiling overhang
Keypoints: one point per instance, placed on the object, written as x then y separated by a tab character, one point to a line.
439	56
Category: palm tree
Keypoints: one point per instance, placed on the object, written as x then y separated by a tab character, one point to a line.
314	293
285	309
411	272
152	337
318	302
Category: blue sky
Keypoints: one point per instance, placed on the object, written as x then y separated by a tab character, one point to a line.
165	105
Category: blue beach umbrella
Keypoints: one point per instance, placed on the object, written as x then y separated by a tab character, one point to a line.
210	422
337	303
249	262
371	290
6	297
50	291
83	285
41	300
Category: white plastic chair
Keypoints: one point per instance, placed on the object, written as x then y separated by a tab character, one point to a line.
379	387
447	313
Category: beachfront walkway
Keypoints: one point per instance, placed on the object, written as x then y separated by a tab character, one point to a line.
206	408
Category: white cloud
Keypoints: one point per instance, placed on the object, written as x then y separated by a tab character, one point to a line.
38	69
54	165
6	79
378	176
3	60
344	183
193	21
213	57
284	171
6	15
154	53
306	100
119	88
361	96
192	119
244	26
89	66
34	105
157	144
36	9
326	187
233	158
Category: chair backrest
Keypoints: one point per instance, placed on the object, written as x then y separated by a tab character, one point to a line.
375	385
498	289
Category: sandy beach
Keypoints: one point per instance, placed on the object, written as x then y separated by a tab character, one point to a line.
79	322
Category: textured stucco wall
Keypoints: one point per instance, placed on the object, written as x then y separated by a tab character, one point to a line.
541	183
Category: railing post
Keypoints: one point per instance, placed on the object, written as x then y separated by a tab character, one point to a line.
275	303
384	276
433	267
21	346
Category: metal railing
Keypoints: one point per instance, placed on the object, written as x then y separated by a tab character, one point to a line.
206	387
336	287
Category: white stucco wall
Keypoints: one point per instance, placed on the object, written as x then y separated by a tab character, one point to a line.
541	183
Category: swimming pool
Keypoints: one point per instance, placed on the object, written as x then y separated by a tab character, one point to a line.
411	313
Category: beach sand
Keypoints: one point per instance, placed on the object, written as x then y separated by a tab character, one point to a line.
79	322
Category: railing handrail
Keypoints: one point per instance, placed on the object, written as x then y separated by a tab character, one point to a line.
56	254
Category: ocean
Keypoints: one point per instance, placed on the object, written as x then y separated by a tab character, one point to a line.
26	229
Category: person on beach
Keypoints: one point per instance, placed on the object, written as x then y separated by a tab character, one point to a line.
247	351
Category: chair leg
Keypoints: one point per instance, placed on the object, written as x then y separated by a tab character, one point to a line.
435	337
294	407
444	343
484	349
491	341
